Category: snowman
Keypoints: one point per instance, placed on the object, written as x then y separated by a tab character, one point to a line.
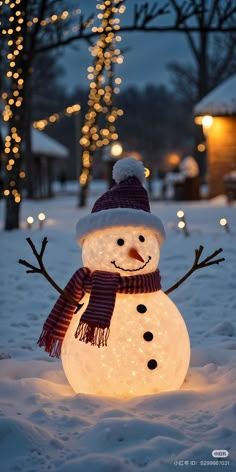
126	338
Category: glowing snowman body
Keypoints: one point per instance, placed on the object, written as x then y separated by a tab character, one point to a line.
148	350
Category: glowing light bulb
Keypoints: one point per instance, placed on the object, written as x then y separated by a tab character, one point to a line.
224	224
116	150
41	218
180	213
30	221
207	121
181	224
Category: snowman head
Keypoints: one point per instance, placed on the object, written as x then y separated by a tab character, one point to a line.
121	234
129	250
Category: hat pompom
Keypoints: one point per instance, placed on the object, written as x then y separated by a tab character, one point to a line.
128	167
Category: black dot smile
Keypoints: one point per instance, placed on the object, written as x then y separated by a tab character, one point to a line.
131	270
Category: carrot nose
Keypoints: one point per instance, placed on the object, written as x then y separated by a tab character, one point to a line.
134	253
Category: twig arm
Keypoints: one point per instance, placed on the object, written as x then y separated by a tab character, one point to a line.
197	265
42	270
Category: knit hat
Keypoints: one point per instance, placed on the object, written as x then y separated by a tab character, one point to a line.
125	204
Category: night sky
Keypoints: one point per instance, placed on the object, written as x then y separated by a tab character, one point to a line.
145	61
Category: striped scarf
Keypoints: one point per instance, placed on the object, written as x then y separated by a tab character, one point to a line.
94	325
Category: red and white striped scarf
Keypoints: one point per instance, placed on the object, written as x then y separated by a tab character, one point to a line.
94	325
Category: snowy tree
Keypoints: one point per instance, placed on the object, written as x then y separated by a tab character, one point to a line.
27	28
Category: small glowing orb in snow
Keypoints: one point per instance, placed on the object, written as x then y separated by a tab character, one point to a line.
180	213
148	349
223	222
30	220
181	224
41	216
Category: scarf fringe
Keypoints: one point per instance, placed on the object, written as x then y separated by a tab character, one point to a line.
52	345
95	335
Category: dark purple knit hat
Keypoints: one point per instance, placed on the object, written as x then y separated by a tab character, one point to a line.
125	204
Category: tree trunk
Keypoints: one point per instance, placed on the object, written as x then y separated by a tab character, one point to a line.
27	138
203	88
12	214
83	195
203	66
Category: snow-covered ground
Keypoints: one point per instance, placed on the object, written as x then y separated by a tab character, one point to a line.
44	426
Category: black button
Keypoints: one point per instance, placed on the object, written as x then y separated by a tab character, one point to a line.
152	364
141	308
148	336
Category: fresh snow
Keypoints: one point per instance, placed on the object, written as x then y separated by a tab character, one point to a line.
219	102
44	426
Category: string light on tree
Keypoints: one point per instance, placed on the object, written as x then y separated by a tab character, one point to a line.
54	18
101	75
13	100
69	111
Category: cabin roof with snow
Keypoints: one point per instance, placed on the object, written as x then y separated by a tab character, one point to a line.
219	102
44	145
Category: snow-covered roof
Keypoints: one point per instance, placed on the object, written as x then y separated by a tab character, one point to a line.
219	102
44	145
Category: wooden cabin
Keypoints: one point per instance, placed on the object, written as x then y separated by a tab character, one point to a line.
50	159
217	114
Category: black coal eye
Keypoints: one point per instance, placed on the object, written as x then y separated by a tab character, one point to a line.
141	238
120	242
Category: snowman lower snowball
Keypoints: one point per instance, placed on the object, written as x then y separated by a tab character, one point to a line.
127	338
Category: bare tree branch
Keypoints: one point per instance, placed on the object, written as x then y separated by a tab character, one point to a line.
227	56
212	12
181	19
144	14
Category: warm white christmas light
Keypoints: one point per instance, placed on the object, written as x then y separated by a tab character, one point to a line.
30	221
116	150
224	223
207	121
41	218
182	223
180	213
147	172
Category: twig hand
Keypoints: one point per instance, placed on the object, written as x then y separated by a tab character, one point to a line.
42	270
197	265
